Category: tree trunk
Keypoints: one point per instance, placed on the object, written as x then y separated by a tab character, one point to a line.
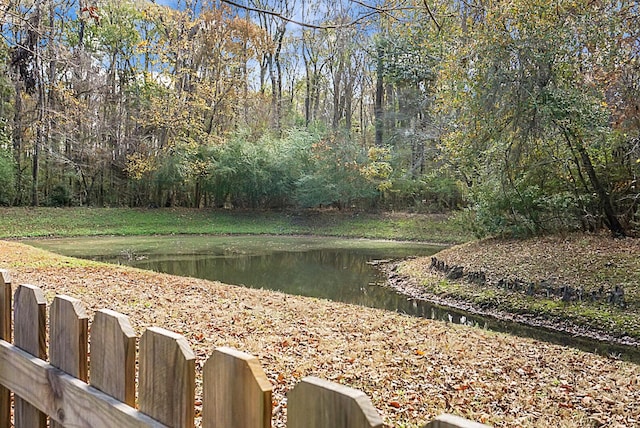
17	141
575	143
41	109
337	97
379	113
611	220
35	168
348	103
307	94
276	79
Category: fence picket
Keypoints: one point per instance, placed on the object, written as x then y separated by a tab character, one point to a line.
30	323
237	393
5	334
113	355
68	338
167	378
317	403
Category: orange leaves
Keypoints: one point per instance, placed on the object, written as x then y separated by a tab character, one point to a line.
462	387
91	12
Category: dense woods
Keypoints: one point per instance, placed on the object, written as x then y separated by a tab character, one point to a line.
525	113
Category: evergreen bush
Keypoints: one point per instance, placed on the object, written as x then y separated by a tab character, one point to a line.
7	178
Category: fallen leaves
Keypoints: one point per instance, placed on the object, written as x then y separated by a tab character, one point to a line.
411	368
594	264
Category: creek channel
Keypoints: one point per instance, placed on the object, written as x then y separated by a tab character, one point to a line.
330	268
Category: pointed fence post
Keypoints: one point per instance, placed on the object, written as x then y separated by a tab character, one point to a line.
30	321
68	337
167	378
237	393
5	334
317	403
113	356
451	421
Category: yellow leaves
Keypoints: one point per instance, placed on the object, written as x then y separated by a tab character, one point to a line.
378	167
376	154
139	165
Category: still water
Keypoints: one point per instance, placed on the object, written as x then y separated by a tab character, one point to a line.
330	268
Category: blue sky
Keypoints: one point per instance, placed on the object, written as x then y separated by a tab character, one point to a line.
170	3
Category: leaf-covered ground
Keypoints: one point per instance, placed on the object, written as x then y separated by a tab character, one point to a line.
413	369
589	262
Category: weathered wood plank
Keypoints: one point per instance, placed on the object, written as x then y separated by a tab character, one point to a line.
5	334
237	393
451	421
5	305
167	378
68	338
30	321
65	399
317	403
113	356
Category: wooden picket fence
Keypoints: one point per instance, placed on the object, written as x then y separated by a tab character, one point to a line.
236	391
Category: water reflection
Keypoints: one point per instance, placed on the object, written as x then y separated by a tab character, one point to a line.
341	275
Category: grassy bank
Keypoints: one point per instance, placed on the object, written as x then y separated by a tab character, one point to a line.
592	265
47	222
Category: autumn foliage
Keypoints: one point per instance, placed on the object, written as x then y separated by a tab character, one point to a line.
526	113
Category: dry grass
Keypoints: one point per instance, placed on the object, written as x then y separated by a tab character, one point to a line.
413	369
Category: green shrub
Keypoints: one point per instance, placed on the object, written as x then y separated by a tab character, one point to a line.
59	196
336	176
7	178
524	210
432	193
259	173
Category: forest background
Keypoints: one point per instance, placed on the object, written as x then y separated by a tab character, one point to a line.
524	113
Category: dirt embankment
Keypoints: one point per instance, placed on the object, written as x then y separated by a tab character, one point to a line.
587	285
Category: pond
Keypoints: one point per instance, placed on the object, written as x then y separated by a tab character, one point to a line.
331	268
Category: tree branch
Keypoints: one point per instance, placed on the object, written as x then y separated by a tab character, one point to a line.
300	23
435	21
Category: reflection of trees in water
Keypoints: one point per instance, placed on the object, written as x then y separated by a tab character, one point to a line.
341	275
338	275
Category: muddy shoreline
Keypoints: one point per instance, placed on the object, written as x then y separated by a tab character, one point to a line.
410	287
